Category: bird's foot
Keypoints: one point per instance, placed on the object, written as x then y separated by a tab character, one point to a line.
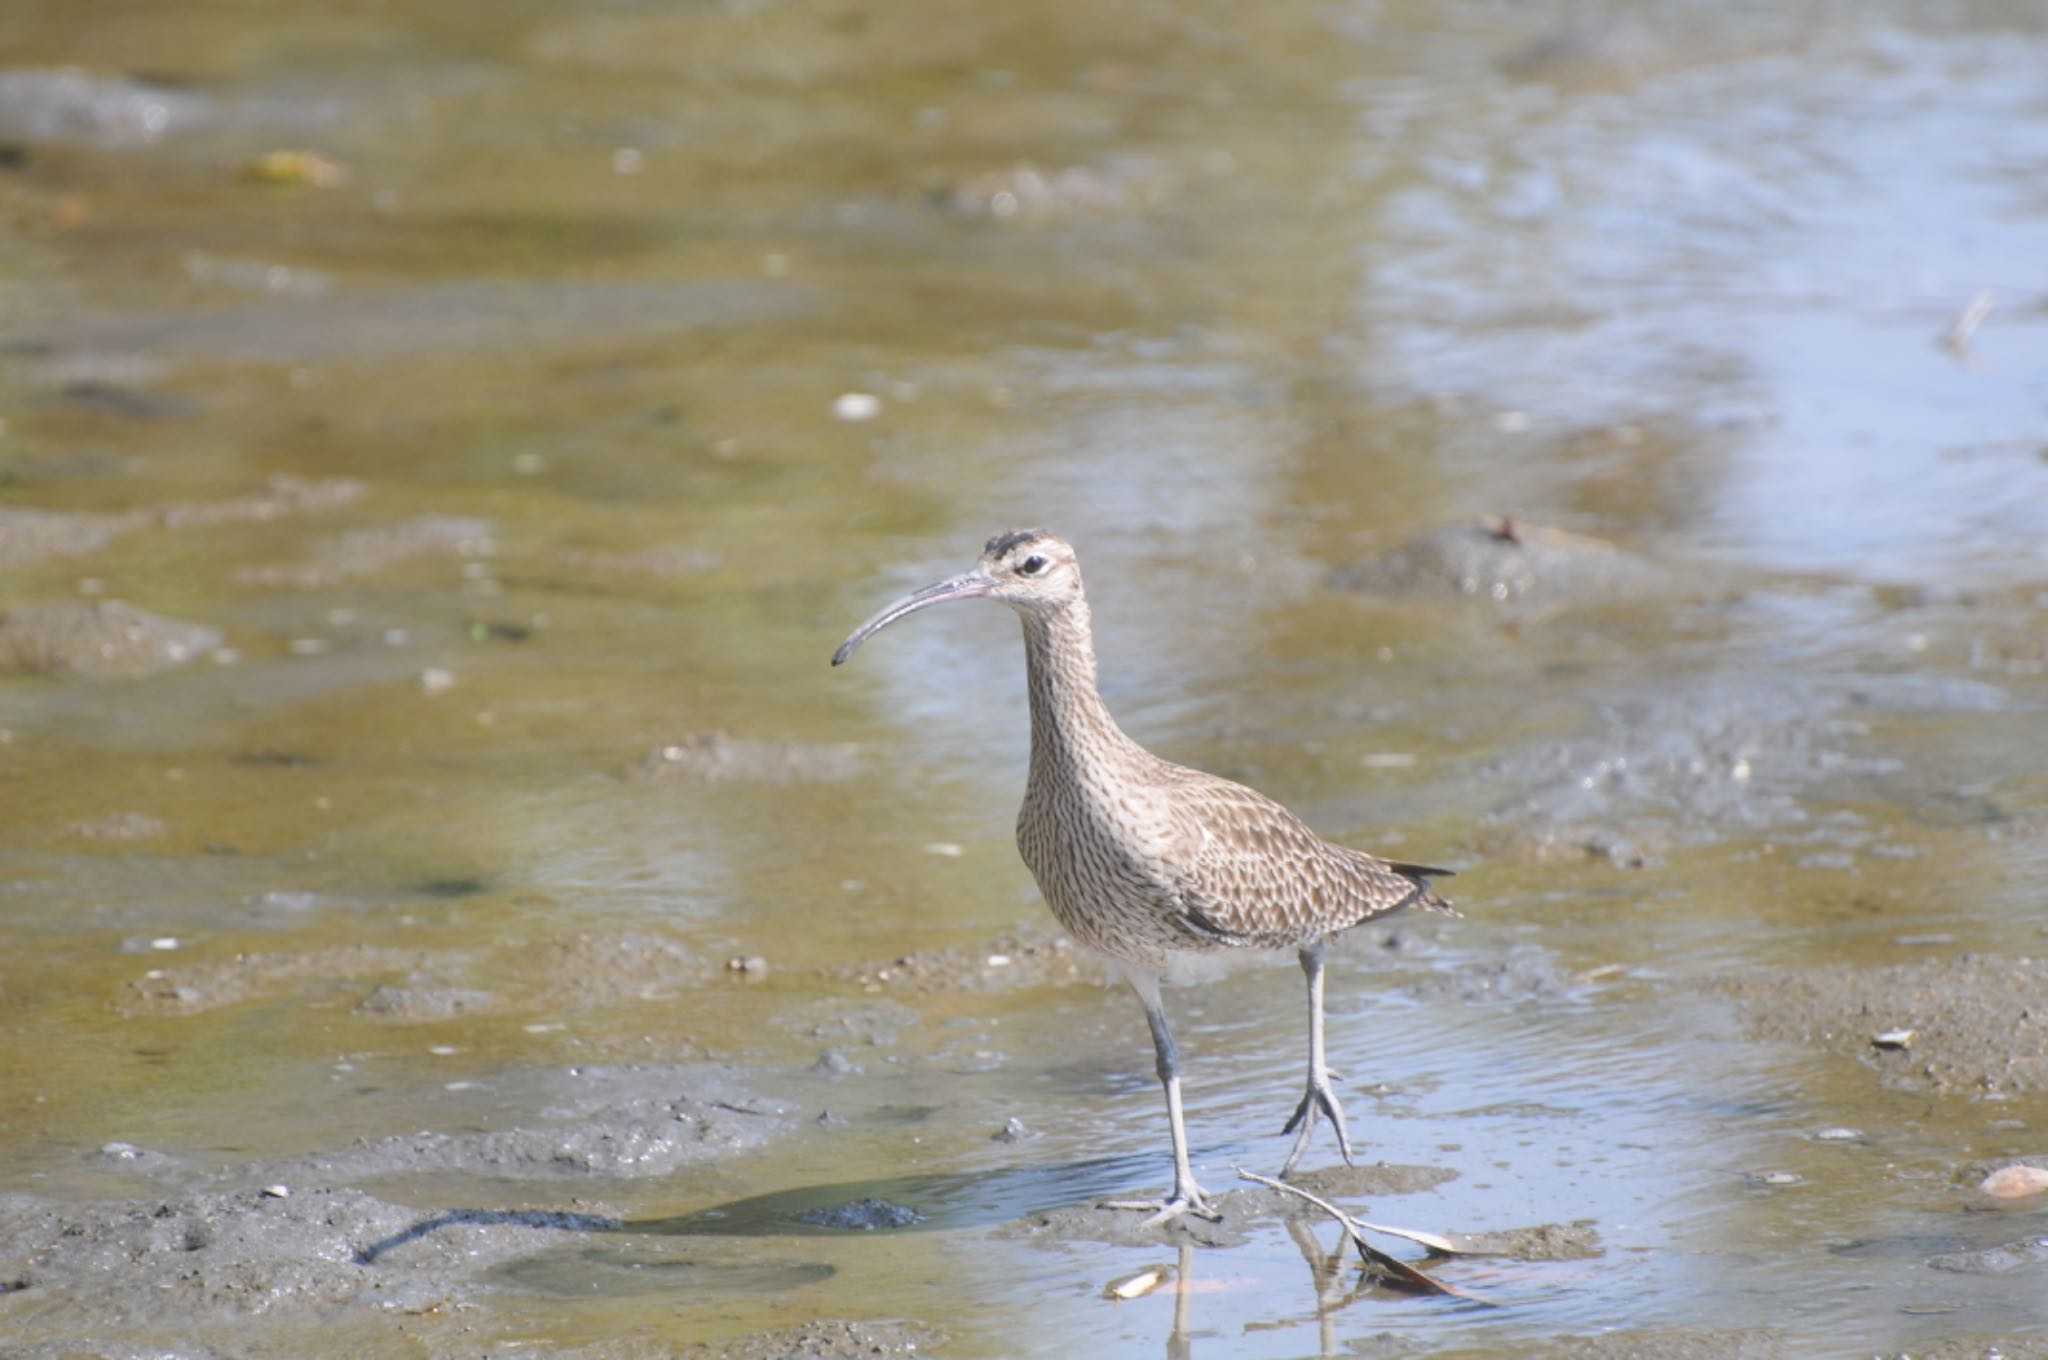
1186	1199
1317	1099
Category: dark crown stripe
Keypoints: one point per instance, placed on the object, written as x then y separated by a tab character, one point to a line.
1014	538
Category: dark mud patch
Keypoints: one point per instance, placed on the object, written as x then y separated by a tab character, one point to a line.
1128	1228
593	969
866	1214
366	552
99	639
280	497
1018	959
1977	1347
1526	972
2030	1254
123	402
1522	570
28	535
1979	1023
877	1024
216	1258
390	1001
119	826
722	758
826	1340
1696	761
1575	1241
69	106
1353	1183
651	1266
194	988
589	970
1674	1343
626	1122
1240	1209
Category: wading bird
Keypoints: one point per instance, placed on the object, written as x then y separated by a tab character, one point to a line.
1151	864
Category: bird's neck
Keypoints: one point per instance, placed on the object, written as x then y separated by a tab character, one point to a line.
1070	725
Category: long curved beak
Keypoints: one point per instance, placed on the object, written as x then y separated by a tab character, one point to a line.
968	586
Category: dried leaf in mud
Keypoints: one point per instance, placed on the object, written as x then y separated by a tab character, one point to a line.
1392	1270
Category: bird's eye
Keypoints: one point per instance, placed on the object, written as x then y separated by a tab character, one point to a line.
1031	565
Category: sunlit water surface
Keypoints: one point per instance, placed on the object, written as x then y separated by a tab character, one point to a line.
1230	298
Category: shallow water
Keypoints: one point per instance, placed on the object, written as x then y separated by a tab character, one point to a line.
1234	301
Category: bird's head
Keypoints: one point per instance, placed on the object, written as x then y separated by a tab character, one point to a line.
1030	570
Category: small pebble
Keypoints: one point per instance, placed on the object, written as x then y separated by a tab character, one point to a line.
856	406
1893	1038
1013	1131
277	1192
2015	1182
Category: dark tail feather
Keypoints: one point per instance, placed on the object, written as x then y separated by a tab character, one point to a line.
1425	897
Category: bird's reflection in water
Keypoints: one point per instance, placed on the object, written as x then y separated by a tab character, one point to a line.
1327	1269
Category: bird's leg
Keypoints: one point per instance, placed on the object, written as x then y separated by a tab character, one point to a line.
1187	1197
1318	1098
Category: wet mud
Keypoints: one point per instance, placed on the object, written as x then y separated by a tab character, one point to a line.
102	638
1969	1025
1521	570
450	907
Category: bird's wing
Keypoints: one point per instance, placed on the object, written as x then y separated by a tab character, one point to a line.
1245	870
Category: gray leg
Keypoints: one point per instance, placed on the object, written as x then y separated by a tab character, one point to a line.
1187	1196
1318	1098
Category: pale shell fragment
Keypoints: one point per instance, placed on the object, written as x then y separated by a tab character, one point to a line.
2015	1182
1138	1283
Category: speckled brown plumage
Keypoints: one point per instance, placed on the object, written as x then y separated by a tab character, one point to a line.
1141	858
1150	863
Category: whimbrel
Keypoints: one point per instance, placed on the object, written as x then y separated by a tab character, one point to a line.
1154	865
